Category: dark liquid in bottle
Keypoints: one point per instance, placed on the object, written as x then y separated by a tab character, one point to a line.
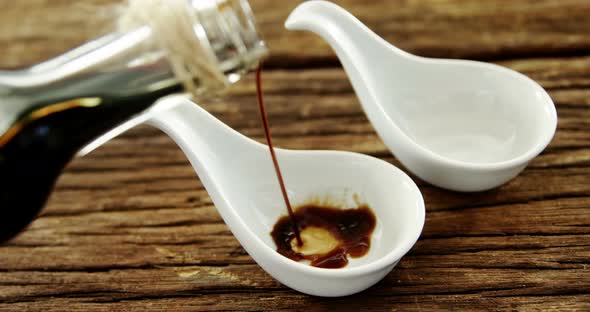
325	236
63	118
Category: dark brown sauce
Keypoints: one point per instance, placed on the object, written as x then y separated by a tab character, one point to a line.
330	234
350	229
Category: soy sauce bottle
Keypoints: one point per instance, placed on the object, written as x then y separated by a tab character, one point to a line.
52	110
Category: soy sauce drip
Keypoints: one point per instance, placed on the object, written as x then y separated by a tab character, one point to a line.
273	156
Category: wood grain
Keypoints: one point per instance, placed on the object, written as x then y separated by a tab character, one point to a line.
452	28
130	227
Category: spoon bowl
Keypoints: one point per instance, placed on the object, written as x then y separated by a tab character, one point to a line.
461	125
239	177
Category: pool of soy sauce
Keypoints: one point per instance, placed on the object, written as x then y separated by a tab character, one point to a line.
330	234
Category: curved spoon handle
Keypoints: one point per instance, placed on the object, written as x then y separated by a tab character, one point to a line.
357	46
201	136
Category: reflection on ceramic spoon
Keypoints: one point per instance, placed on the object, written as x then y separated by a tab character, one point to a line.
240	179
460	125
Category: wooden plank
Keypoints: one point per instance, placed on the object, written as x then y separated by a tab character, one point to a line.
477	238
195	282
267	301
454	28
120	284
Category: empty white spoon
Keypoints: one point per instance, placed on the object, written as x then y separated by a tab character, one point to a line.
460	125
240	179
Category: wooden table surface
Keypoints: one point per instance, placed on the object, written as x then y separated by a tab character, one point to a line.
130	227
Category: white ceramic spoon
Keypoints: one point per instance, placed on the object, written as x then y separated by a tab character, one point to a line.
239	177
460	125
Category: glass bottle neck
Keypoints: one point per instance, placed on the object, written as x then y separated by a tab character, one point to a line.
227	31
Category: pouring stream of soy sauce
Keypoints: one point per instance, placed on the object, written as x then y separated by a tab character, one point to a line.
272	154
